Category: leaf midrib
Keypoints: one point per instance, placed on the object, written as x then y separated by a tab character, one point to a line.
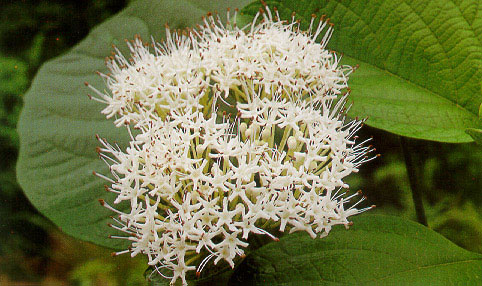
414	269
398	76
397	255
414	85
426	267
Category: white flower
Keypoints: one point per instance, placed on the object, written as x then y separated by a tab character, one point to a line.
238	134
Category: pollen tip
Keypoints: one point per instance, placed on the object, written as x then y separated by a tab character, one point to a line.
97	149
198	274
276	239
86	83
359	192
102	202
113	254
379	155
373	206
89	96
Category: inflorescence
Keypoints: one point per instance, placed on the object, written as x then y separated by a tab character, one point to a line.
239	131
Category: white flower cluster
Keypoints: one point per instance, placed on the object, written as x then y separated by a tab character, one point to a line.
213	60
200	180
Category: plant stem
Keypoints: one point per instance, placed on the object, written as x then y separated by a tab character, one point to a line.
414	182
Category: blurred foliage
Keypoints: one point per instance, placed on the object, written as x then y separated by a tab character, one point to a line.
32	249
451	177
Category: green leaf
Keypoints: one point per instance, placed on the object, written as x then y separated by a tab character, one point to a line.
58	123
476	134
376	250
420	62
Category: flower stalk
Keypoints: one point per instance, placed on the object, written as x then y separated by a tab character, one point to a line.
414	181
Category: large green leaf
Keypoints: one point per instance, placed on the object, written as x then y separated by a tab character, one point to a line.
58	123
420	61
376	250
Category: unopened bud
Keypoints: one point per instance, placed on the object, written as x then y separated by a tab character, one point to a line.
292	143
